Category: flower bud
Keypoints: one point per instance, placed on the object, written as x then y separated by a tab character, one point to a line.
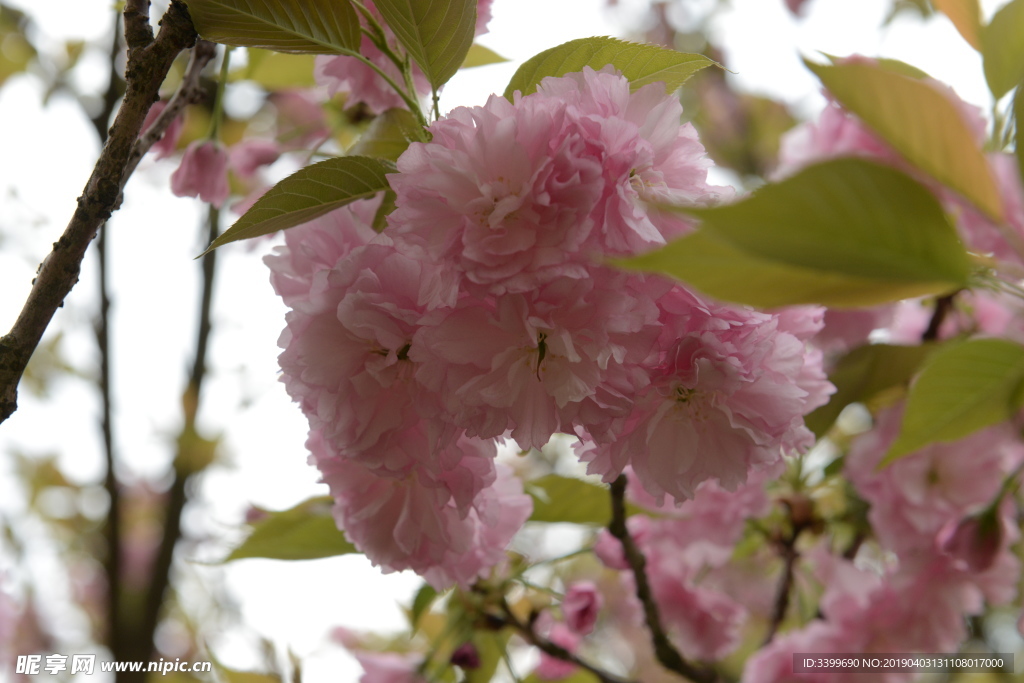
580	607
975	541
466	656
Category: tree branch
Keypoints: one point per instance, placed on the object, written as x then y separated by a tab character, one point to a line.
149	60
112	527
189	92
664	650
553	649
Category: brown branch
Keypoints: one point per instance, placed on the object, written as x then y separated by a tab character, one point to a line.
112	528
149	60
553	649
177	498
943	305
781	605
664	650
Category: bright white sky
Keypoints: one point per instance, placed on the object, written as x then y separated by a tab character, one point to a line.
49	153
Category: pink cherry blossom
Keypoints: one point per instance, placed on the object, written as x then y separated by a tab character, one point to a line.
580	607
247	156
389	667
440	529
168	142
203	173
730	382
550	668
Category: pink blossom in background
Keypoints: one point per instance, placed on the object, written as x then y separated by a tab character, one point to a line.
581	606
974	541
167	144
202	173
389	667
365	86
249	155
914	497
300	119
550	668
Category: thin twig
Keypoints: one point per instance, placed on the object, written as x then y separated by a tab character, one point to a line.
781	606
149	60
189	92
664	650
112	527
160	576
553	649
943	305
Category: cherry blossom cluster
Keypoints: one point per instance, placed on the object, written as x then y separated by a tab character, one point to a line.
486	310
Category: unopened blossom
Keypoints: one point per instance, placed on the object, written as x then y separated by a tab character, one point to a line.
580	607
167	143
974	541
203	173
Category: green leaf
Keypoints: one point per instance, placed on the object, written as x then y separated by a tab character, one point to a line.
843	233
961	389
479	55
580	676
304	532
277	70
640	63
919	122
864	373
567	499
889	64
389	135
1002	48
309	26
491	646
1018	132
966	17
436	33
307	194
421	603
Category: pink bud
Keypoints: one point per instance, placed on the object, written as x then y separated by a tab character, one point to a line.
203	173
974	542
168	142
580	606
466	656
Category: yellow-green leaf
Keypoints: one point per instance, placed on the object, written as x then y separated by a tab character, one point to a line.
919	122
843	233
966	17
307	194
304	532
961	389
277	70
567	499
1002	48
640	63
303	26
479	55
389	135
862	374
436	33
